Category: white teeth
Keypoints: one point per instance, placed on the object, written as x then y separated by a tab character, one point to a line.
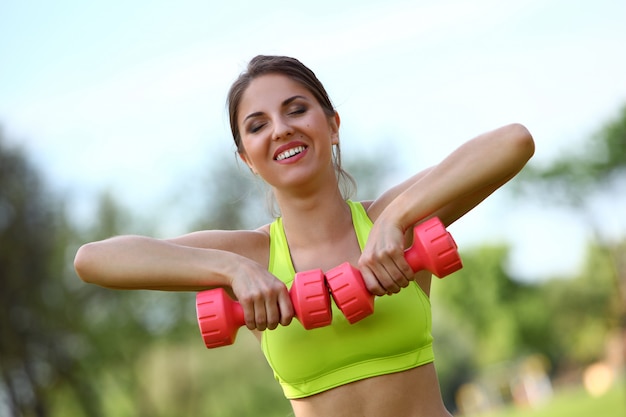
289	153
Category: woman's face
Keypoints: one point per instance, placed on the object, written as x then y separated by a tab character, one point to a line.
286	136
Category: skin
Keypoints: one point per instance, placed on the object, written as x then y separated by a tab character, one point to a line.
277	114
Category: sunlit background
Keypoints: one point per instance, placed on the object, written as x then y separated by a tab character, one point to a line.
130	95
127	99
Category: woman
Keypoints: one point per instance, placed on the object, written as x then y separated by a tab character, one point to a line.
287	132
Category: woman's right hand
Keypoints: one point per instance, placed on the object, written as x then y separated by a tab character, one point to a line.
264	298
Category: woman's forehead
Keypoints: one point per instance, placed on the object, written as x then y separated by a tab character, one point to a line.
270	90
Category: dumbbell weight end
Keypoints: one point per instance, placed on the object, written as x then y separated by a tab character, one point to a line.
433	249
219	317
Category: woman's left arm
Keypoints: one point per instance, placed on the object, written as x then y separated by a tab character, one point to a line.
448	190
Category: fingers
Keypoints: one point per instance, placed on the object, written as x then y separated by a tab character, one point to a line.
382	263
278	310
265	310
286	308
386	275
249	315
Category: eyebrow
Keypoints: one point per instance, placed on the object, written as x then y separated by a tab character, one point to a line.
283	104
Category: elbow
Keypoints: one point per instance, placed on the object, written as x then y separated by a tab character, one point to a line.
521	142
83	263
515	147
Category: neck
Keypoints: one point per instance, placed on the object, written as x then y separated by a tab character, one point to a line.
321	217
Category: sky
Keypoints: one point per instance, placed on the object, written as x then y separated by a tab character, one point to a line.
129	96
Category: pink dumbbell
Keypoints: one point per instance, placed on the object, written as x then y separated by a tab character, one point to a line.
433	249
219	317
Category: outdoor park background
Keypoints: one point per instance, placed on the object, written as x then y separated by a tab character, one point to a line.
112	121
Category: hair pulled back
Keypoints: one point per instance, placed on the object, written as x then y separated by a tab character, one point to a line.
300	73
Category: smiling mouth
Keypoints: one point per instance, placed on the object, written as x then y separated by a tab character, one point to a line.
290	153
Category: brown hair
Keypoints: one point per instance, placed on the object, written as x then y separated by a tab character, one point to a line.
300	73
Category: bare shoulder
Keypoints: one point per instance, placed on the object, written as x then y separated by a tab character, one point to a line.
253	244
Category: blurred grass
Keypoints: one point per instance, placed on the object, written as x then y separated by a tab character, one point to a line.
230	381
186	379
573	402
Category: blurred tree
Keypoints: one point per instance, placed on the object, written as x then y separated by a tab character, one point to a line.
483	296
38	329
59	337
575	179
474	320
118	327
584	309
484	317
597	167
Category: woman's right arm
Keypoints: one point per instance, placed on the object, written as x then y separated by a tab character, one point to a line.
193	262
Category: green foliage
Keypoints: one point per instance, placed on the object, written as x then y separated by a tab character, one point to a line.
58	335
38	328
595	300
586	308
484	317
571	402
482	295
597	166
609	148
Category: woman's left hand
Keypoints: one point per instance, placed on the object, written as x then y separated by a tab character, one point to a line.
382	263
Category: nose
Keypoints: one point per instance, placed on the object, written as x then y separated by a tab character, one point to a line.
282	129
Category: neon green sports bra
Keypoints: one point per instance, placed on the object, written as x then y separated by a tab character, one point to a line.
395	338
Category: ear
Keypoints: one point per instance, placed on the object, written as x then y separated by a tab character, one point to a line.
335	121
244	157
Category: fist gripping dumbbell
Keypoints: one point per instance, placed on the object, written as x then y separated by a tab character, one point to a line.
219	317
433	249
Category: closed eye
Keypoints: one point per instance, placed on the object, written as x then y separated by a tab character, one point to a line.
255	127
298	110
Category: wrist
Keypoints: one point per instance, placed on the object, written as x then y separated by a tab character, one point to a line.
218	268
401	213
393	218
